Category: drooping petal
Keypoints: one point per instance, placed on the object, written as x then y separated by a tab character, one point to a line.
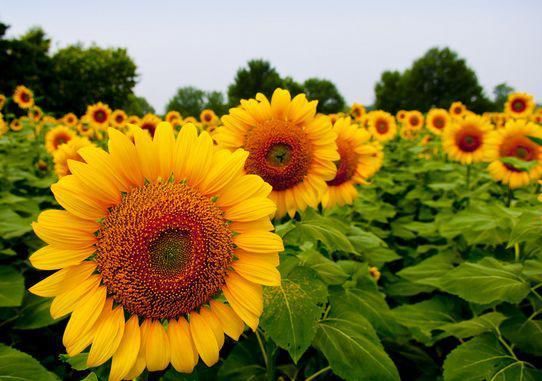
53	258
157	352
204	339
109	332
231	323
184	356
126	355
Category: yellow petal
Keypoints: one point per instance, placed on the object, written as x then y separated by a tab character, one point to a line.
243	188
246	315
81	342
200	160
146	154
164	143
257	272
124	157
183	146
126	355
259	242
227	167
64	230
109	332
280	101
247	293
157	352
184	356
262	224
204	339
66	302
231	323
63	280
250	210
95	183
140	363
71	195
53	258
213	322
102	163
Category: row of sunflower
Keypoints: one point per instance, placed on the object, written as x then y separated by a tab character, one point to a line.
164	241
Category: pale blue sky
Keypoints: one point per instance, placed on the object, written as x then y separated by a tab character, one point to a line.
202	43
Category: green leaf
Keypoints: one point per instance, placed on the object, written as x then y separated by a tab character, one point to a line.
16	365
525	333
429	271
11	287
91	377
535	140
519	164
372	248
292	309
330	272
12	225
35	313
245	362
483	358
77	362
486	281
352	348
475	326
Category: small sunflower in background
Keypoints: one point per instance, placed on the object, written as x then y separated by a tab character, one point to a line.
134	119
208	117
437	120
382	125
84	128
130	299
68	152
3	125
359	160
70	120
513	142
357	111
466	140
457	110
119	119
334	117
16	125
401	115
149	123
35	113
174	118
413	120
3	100
24	97
519	105
289	146
536	118
98	115
190	119
58	136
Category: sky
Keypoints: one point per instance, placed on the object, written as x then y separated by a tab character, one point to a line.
203	43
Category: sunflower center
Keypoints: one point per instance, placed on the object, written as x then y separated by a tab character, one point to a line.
164	250
151	127
61	139
100	116
119	118
280	153
207	117
520	147
439	122
346	165
518	105
457	110
25	97
382	126
414	121
469	141
356	112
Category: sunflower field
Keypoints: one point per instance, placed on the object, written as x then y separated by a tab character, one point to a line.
270	243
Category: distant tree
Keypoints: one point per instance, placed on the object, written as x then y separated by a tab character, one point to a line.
188	100
292	86
326	93
436	79
88	75
214	100
388	92
258	76
500	93
135	105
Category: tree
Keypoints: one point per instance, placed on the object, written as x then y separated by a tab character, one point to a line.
292	86
190	101
326	93
88	75
135	105
388	92
436	79
258	76
500	92
214	100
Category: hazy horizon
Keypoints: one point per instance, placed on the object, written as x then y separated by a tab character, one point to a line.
203	44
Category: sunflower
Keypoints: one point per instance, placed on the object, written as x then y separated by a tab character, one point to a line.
35	113
163	248
68	152
357	111
98	115
24	97
290	147
70	120
190	119
208	117
16	125
466	139
149	123
457	109
134	119
174	118
334	117
56	137
513	141
2	101
3	125
536	118
519	105
359	159
84	128
118	119
437	120
401	115
413	120
382	126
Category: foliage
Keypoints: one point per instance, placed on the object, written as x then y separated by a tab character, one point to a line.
191	101
500	92
136	105
329	98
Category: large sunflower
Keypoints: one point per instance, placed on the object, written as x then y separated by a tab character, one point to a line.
359	160
24	97
437	120
56	137
382	126
519	105
162	249
466	139
289	146
413	120
119	119
68	152
70	119
513	141
457	110
149	123
98	115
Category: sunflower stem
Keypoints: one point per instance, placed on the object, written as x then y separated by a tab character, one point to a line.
262	348
468	177
321	371
510	197
516	251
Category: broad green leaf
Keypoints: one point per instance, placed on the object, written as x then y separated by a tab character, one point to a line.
91	377
533	269
245	362
11	287
372	248
12	225
77	362
19	366
525	333
292	309
353	350
486	281
403	287
429	271
330	272
536	140
483	358
35	313
475	326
